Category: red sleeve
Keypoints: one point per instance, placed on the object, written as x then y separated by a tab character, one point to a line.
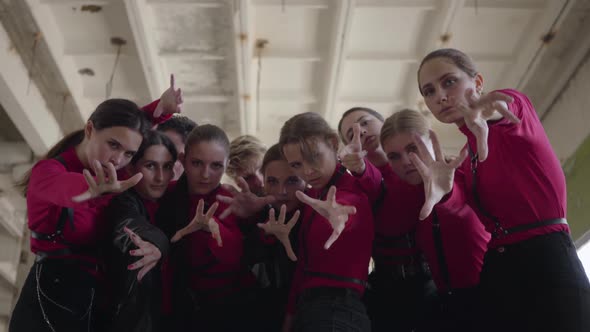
455	200
344	197
149	110
370	181
517	106
51	182
231	238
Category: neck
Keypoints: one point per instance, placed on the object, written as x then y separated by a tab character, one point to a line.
81	153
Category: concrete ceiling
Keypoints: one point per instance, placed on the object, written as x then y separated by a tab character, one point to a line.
316	55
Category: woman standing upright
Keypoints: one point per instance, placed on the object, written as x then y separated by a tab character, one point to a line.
335	236
532	279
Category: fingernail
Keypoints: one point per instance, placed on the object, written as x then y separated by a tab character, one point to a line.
129	267
132	252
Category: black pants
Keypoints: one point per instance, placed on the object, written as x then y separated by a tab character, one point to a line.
535	285
331	309
460	311
236	312
68	299
402	305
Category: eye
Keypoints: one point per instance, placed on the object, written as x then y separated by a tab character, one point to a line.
295	165
428	92
129	154
412	148
272	181
169	166
293	180
450	81
113	145
364	123
217	166
149	166
393	156
196	163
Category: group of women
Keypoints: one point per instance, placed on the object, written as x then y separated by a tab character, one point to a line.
133	230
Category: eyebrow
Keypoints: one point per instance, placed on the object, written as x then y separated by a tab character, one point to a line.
439	79
357	121
121	145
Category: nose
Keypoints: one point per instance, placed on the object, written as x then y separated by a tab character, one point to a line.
307	170
116	159
406	161
258	179
282	189
442	97
159	176
205	172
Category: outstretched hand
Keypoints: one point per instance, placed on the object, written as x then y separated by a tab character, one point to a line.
336	214
280	229
437	174
170	101
104	183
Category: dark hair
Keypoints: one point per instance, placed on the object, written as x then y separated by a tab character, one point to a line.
207	133
459	59
152	138
272	154
110	113
179	124
354	109
303	127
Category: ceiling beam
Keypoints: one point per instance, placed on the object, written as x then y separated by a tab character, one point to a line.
23	101
243	36
288	55
337	56
142	26
442	25
54	39
531	47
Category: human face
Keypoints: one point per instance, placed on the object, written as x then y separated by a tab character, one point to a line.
443	86
281	182
251	173
204	165
178	142
318	171
398	148
116	145
156	165
370	129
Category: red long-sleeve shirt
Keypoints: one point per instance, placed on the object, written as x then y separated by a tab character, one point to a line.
521	181
396	217
349	255
51	188
216	271
463	237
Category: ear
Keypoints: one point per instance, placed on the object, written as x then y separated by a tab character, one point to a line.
88	129
478	82
335	142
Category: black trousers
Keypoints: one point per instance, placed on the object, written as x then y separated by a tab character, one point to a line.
65	295
331	309
401	305
459	311
535	285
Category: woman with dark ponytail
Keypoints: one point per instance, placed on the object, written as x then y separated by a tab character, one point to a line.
64	202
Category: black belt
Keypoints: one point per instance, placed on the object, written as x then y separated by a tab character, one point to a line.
499	231
313	293
49	257
523	228
335	277
400	271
